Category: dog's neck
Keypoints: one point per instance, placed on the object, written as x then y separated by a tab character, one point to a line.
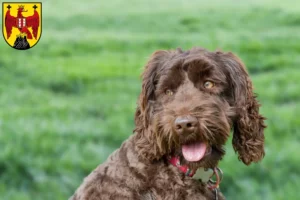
174	160
201	174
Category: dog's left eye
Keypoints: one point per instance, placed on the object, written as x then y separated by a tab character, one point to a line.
209	84
169	92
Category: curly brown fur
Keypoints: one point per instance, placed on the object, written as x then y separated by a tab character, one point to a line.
174	87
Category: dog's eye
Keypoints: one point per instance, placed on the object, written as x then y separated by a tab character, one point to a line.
209	84
169	92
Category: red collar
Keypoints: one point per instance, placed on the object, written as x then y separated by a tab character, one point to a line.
183	168
211	184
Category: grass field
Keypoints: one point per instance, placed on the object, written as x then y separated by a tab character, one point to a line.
69	102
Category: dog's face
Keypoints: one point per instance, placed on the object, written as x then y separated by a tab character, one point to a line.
189	103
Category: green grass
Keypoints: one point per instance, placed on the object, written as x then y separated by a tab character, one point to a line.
69	102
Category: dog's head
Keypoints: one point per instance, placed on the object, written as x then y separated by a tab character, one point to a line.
190	101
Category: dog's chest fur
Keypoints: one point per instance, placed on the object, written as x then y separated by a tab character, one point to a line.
124	176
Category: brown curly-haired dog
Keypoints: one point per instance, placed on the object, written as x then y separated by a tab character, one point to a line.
190	101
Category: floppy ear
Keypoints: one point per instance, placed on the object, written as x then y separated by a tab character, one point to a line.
145	139
150	77
248	127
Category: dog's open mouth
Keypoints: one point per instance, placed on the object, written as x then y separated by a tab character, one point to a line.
194	152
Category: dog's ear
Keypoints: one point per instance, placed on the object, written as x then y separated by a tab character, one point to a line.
150	77
145	140
248	127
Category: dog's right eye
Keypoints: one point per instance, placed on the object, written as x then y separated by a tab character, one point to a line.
209	84
169	92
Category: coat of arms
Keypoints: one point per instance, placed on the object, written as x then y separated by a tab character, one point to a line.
21	24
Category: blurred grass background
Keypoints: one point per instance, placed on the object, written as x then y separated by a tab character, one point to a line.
69	102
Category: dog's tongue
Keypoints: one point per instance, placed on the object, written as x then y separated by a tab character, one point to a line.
194	152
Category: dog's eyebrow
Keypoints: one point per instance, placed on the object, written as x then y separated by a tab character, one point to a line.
191	57
175	63
202	61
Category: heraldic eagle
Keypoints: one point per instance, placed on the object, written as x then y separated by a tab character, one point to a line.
22	23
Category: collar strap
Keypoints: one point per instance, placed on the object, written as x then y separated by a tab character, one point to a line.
183	168
211	184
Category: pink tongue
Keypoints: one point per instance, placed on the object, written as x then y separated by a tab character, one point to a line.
194	152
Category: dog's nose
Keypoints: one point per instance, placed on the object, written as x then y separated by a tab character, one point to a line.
185	124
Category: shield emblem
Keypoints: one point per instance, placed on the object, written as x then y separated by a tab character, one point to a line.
22	24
